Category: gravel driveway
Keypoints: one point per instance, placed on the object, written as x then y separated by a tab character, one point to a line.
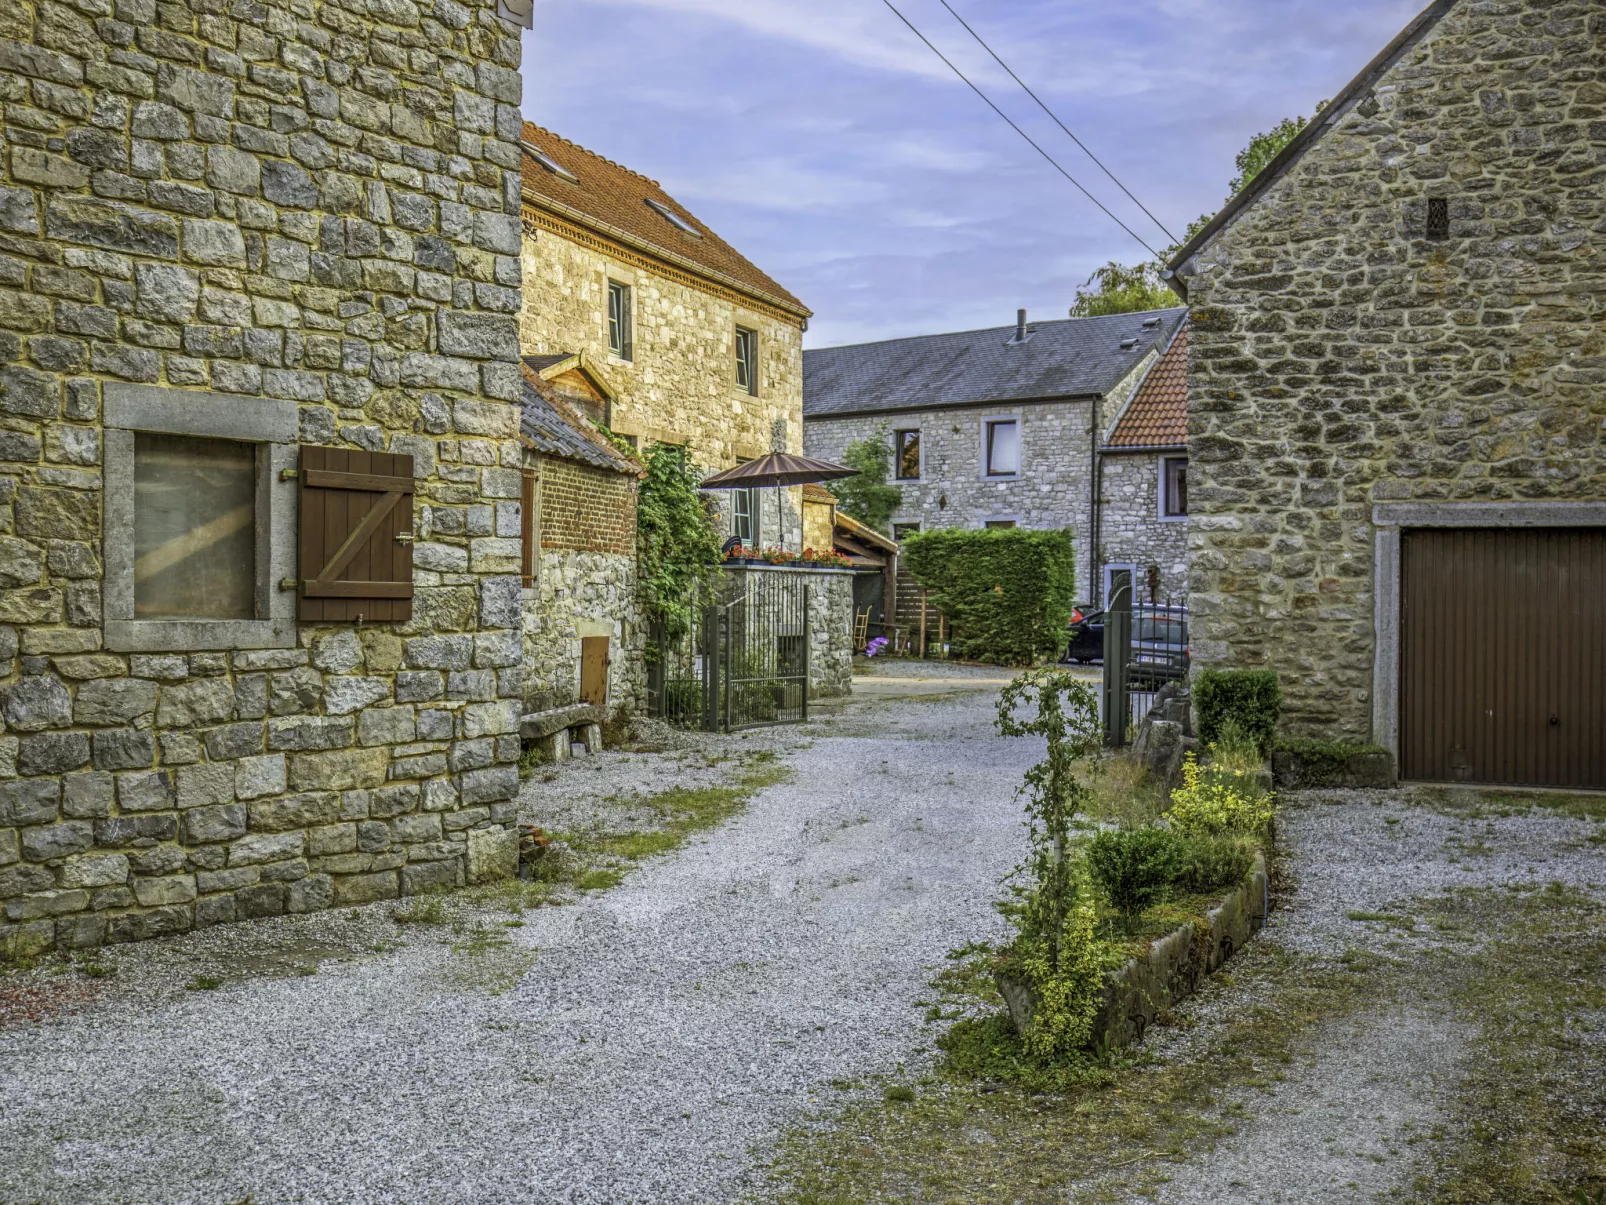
661	1032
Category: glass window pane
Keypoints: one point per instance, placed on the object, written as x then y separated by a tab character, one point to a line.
909	455
1003	449
194	528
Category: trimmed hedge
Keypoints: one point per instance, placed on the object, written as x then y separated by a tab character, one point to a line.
1251	697
1008	594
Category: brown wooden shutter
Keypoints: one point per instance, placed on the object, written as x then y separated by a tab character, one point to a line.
528	552
356	536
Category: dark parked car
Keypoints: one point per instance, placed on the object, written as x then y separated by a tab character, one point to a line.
1159	643
1087	639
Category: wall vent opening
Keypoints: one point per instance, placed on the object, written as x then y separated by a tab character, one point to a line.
1438	218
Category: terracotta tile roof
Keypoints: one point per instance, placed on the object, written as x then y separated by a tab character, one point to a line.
617	198
818	493
1158	414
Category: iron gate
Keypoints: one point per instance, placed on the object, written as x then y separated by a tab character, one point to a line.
743	662
1145	647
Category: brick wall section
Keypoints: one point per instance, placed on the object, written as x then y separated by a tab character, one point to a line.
312	200
1340	359
586	509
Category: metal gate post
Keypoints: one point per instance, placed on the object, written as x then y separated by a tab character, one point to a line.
808	645
1117	652
711	623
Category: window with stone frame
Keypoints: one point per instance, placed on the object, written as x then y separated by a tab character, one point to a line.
620	336
199	520
747	360
901	531
1174	487
1001	447
744	517
906	455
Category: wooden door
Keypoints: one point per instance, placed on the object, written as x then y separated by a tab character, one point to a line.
594	670
1502	656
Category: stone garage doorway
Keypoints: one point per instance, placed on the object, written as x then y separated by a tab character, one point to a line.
1497	634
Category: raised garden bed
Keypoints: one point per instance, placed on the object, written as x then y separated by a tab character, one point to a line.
1315	765
1169	970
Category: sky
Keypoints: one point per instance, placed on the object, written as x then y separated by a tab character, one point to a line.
830	147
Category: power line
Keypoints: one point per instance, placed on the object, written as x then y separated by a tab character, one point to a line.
1057	121
1052	161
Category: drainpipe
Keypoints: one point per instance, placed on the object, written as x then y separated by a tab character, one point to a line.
1096	476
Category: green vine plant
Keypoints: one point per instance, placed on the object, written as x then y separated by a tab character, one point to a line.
677	541
1052	905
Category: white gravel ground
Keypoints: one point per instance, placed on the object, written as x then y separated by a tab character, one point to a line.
664	1030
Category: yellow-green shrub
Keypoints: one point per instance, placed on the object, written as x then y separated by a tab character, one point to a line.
1203	807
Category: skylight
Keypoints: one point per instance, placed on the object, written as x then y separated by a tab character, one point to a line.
673	218
548	162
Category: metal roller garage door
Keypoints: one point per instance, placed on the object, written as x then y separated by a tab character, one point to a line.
1503	656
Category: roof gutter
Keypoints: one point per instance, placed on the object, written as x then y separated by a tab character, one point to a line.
1350	95
637	243
918	407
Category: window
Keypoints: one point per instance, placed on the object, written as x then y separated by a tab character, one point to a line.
744	517
1174	487
1001	439
673	218
747	360
548	162
901	530
1438	219
906	450
1000	524
199	522
619	333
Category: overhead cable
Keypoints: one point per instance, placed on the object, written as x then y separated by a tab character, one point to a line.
1052	161
1057	121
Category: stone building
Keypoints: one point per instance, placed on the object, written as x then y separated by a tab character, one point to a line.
583	628
1397	424
699	347
259	465
989	428
1143	483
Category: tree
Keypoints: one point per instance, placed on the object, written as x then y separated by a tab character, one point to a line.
1123	290
867	497
1263	148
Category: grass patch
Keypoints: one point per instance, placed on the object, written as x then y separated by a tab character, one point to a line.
1480	804
422	910
600	879
1122	790
203	983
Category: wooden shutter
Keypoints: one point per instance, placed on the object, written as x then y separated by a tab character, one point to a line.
528	551
356	536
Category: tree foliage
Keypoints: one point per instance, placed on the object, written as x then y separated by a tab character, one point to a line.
867	497
677	542
1008	594
1118	289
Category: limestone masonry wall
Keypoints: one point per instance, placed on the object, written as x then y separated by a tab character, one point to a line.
1341	359
310	203
1133	532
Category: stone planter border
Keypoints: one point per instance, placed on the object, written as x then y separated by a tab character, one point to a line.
1292	772
1169	971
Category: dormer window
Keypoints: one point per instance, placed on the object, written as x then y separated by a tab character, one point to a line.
548	162
673	218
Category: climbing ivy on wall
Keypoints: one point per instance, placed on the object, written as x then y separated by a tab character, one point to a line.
1008	594
677	542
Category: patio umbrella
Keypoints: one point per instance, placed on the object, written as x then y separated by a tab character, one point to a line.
777	469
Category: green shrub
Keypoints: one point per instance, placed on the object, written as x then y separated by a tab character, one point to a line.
1212	863
1134	866
1220	804
1251	698
1236	750
867	497
677	544
1008	594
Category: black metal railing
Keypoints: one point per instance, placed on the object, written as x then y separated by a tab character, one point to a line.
1146	646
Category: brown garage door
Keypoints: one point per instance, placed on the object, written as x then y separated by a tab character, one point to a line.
1503	656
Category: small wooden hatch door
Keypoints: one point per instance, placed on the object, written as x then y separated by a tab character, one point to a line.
356	537
594	670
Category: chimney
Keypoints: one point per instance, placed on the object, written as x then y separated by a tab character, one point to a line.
1020	326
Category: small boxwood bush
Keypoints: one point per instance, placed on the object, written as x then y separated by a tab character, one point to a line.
1212	863
1008	594
1250	698
1135	867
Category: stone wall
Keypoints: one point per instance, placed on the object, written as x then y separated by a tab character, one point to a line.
1340	359
312	203
585	586
830	624
1131	529
1052	492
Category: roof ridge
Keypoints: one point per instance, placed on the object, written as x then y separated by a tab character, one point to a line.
982	330
584	150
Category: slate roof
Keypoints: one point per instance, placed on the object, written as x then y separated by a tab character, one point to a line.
617	197
1069	357
1157	416
553	426
1352	94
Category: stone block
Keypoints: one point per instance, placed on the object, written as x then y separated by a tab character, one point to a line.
419	826
311	894
122	749
305	733
255	777
492	853
111	702
35	703
200	786
46	903
366	888
338	652
88	795
419	877
52	752
115	832
295	812
265	899
147	791
393	801
81	932
490	785
196	704
339	770
227	880
94	870
344	695
386	726
215	910
225	822
173	889
31	801
332	839
233	741
259	848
